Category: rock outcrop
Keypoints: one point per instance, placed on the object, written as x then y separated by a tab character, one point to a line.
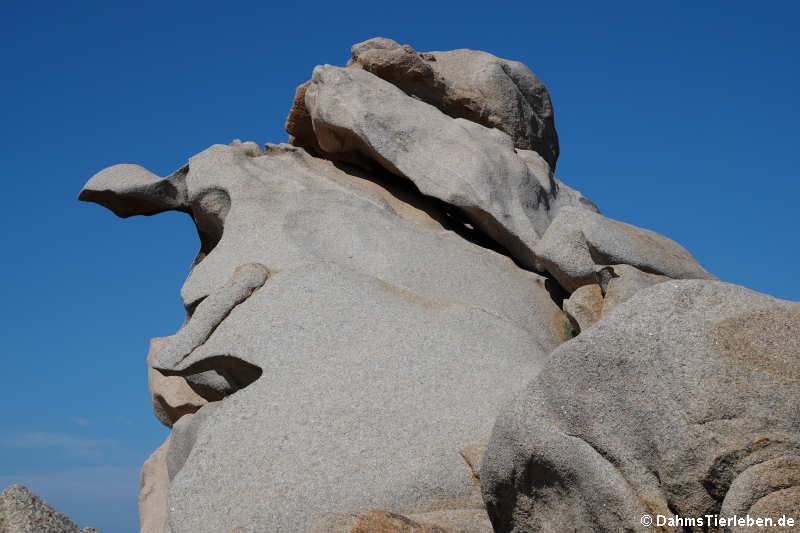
578	245
681	401
22	511
469	84
367	298
376	340
153	486
464	164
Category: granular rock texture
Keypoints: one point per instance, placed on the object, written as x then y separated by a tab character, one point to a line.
683	400
153	486
368	297
22	511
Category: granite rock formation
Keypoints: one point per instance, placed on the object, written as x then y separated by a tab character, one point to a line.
22	511
368	297
681	401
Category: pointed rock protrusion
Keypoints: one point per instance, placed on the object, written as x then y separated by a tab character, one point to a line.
129	190
22	511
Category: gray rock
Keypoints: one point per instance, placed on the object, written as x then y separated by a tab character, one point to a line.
682	400
357	319
22	511
227	374
580	242
183	438
133	190
469	84
368	392
379	339
153	486
466	165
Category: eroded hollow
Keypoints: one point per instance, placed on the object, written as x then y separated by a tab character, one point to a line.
216	377
208	211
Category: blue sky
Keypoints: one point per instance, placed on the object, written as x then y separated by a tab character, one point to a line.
673	116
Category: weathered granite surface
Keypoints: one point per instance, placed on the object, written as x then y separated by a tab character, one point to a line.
366	300
22	511
682	400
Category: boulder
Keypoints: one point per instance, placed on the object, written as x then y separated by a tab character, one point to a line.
681	401
465	165
579	243
624	282
373	337
153	485
469	84
584	307
22	511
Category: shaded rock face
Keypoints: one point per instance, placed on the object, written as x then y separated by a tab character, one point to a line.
682	400
365	299
22	511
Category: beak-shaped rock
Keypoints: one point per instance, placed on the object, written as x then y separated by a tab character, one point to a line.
129	190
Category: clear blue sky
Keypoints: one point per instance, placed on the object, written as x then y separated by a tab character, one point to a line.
682	119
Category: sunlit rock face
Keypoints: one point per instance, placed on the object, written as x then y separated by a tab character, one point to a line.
350	340
367	298
22	511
